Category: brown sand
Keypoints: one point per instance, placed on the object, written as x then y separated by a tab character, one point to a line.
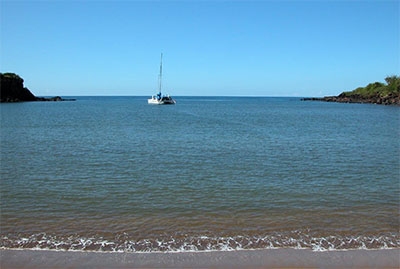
274	258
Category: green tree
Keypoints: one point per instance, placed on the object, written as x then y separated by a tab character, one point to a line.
393	83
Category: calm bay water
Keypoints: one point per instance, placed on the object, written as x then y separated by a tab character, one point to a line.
210	173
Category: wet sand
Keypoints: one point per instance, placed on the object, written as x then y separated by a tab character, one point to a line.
273	258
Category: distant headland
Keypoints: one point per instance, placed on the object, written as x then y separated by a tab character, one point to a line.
12	90
373	93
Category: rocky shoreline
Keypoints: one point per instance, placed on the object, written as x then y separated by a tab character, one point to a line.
40	99
391	99
54	99
12	90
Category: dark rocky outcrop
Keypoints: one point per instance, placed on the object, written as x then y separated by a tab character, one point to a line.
54	99
390	99
12	90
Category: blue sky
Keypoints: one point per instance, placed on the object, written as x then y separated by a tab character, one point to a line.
244	48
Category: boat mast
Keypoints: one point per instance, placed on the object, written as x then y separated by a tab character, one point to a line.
160	77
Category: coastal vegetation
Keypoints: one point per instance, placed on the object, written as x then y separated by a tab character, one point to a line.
11	76
382	90
376	93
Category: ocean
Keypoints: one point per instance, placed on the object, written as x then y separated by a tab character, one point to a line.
209	173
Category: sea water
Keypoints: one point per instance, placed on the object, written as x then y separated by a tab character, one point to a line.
209	173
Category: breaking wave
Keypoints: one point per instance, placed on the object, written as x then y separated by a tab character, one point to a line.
122	243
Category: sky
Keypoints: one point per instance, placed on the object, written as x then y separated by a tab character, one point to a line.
210	48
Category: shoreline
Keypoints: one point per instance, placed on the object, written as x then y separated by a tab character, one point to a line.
284	257
389	100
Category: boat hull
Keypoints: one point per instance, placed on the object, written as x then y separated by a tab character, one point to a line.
154	101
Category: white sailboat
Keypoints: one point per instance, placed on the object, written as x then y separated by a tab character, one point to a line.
160	99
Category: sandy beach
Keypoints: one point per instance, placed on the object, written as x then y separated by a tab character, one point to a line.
273	258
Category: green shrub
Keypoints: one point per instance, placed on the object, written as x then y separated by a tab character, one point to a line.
392	86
